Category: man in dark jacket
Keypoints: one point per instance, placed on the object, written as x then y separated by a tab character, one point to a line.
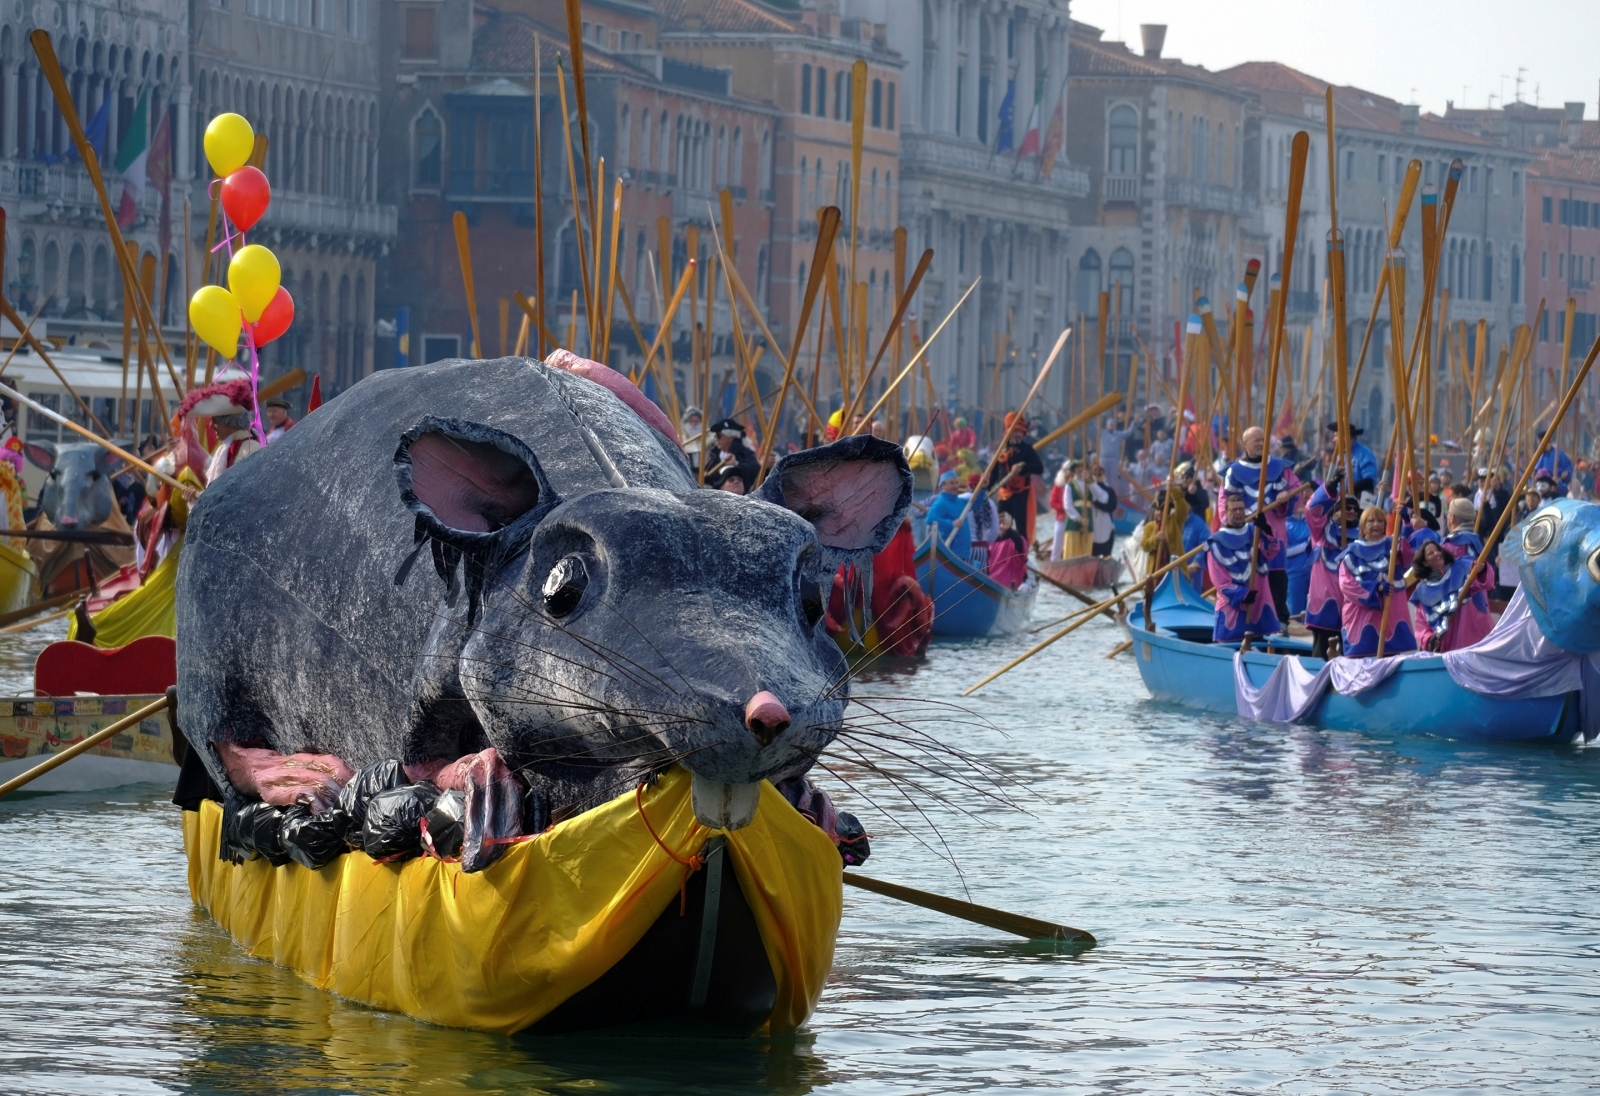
732	459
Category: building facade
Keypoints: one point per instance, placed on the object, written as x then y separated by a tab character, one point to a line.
1376	140
459	136
987	201
305	73
1168	214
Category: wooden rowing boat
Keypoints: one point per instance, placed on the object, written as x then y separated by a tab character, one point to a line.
966	601
1082	573
33	728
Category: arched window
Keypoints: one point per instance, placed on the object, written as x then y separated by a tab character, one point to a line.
841	96
736	162
888	199
1089	283
76	279
1516	275
52	272
722	156
1121	281
427	143
766	161
644	140
877	104
805	89
100	281
625	140
663	146
1122	156
805	190
822	92
889	113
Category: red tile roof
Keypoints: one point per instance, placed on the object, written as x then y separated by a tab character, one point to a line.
1090	56
747	16
502	42
1572	165
1284	90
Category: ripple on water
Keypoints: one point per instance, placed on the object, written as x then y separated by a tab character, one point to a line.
1284	909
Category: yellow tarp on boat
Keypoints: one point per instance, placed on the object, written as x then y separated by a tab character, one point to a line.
151	610
499	949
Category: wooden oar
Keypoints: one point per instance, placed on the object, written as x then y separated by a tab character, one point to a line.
282	384
921	351
1119	648
86	745
888	339
30	625
26	329
528	310
1084	616
1099	407
1072	591
40	607
1029	928
72	536
464	255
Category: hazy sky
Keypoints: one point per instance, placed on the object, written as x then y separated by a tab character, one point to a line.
1410	51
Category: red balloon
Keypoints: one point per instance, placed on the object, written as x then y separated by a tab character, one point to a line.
275	318
245	196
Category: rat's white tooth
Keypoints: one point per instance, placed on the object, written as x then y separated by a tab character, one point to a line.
720	806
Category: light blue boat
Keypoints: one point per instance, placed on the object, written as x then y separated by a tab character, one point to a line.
1420	697
966	601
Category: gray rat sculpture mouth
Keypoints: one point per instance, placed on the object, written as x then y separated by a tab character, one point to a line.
597	616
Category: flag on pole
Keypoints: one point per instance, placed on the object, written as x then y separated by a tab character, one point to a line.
1008	114
1055	136
94	132
1030	137
132	159
158	171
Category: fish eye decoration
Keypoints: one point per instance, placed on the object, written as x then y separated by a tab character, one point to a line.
254	304
1541	532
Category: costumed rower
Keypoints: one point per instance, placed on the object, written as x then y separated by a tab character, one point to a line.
1019	457
1446	618
1323	615
229	405
944	510
1244	476
1363	462
1461	542
278	421
1298	558
1237	568
732	459
1364	588
1556	465
1069	501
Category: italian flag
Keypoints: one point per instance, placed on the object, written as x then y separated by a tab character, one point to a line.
132	159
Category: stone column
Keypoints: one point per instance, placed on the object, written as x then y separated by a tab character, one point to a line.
8	125
31	105
945	51
184	137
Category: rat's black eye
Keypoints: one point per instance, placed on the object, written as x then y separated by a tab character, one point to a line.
564	586
810	601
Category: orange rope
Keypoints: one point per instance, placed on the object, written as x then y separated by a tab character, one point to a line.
694	862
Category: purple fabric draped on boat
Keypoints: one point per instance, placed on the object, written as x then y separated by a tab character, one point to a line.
1292	689
1514	661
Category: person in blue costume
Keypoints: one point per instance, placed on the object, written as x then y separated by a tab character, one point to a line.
944	512
1365	589
1461	542
1244	476
1236	564
1557	466
1363	462
1298	560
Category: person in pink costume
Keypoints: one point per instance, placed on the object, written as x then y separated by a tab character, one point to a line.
1447	619
1365	588
1008	555
1323	605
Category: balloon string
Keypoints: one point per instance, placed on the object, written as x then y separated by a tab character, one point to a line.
228	236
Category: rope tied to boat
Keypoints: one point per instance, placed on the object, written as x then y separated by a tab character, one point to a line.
694	861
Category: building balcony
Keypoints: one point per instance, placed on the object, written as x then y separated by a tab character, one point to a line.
1119	188
927	155
62	192
313	213
1208	198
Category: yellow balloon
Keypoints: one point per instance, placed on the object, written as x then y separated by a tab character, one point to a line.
253	276
229	143
215	316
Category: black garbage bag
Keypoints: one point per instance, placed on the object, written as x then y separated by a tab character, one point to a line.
354	796
393	826
852	840
234	848
250	828
315	840
447	825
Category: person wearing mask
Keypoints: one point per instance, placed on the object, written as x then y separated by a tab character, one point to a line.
1235	562
1369	600
1020	467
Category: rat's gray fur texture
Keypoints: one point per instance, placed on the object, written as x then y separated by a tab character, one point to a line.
303	624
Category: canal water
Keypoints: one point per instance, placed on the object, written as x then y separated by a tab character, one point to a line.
1280	909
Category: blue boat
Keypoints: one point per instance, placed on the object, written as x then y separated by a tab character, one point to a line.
966	601
1180	666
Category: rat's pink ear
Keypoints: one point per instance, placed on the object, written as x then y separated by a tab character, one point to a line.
854	491
619	386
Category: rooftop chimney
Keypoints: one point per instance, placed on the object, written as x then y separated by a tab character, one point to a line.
1154	36
1573	111
1410	114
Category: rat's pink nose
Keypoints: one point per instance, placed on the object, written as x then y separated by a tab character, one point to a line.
766	717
